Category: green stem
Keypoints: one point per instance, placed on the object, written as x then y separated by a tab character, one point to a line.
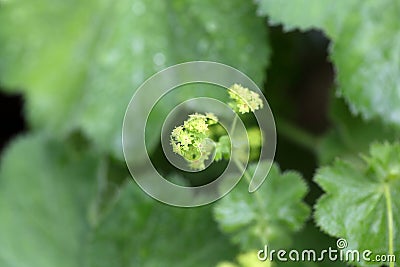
234	125
247	176
259	199
297	135
248	179
390	221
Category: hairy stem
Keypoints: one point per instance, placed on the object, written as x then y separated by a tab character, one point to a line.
390	220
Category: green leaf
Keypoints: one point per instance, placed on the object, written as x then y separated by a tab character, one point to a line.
365	48
356	204
140	231
45	205
351	135
269	215
307	14
44	194
79	62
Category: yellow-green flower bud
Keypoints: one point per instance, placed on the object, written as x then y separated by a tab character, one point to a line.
244	100
189	140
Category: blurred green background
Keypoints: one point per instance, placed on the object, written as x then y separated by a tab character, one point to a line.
69	68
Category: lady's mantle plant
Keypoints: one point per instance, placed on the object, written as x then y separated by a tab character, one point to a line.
74	118
191	140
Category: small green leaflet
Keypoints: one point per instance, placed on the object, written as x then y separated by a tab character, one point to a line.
268	218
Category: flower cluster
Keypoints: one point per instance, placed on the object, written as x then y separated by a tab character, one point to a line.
244	100
190	140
